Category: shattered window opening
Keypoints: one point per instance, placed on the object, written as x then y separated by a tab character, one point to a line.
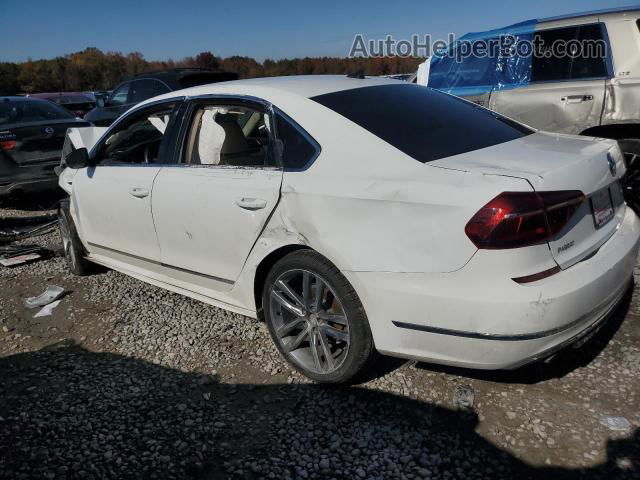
227	135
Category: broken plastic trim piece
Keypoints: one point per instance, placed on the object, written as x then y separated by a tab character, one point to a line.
47	310
51	294
537	276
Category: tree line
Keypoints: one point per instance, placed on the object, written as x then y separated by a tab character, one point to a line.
93	69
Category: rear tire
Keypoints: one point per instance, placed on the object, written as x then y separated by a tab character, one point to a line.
74	252
324	336
631	149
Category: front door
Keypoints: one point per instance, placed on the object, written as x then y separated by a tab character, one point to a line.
211	207
113	198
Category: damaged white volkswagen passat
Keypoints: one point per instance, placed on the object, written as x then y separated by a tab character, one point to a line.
358	215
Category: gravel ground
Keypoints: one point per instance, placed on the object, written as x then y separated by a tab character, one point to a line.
126	380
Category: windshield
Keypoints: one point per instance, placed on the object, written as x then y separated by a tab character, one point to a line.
422	122
19	110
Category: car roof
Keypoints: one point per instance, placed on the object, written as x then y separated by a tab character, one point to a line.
300	85
172	77
589	13
14	98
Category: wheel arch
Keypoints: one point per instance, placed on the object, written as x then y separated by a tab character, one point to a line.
614	131
263	268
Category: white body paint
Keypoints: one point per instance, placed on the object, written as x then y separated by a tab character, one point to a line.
392	225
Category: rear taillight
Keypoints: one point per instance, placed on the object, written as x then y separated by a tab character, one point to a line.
8	145
519	219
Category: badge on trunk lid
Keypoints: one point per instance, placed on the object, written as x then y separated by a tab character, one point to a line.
612	164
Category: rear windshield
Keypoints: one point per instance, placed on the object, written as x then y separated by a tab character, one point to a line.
17	111
422	122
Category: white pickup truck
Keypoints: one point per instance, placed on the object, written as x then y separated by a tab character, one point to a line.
580	95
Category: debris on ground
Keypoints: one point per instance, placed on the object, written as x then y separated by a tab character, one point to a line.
463	397
47	310
617	424
15	255
18	228
52	293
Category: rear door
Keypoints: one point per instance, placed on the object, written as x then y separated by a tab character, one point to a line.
210	208
113	198
566	92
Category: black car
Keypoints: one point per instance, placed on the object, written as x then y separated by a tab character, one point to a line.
32	132
147	85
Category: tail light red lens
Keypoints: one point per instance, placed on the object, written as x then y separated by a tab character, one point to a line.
520	219
8	145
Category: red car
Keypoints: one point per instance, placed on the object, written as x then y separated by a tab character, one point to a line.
77	103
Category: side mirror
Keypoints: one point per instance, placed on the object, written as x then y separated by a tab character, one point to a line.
100	101
77	159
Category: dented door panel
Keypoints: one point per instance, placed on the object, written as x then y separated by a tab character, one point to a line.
208	218
621	101
563	107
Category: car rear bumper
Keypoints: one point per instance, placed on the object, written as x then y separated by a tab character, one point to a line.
479	318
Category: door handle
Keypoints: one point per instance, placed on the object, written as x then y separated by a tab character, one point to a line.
577	98
139	192
251	203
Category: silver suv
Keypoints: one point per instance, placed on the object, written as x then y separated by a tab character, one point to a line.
576	93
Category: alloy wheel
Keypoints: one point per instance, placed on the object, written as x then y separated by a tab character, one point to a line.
309	321
632	180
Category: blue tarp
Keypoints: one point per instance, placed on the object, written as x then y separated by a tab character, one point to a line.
480	62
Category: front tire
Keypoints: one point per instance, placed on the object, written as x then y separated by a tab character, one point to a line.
73	250
316	319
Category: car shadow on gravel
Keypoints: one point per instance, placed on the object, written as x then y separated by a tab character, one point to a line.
564	362
66	412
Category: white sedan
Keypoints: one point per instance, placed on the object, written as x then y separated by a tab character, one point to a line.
358	215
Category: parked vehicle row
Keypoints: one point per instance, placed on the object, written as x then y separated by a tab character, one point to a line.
32	132
358	215
147	85
33	127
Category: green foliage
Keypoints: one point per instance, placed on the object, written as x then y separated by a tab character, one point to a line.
92	69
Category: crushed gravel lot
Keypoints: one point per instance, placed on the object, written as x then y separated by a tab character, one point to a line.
126	380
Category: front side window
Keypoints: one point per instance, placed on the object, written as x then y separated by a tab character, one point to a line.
298	149
228	135
120	96
138	141
422	122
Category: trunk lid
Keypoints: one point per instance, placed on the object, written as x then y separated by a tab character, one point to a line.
31	143
551	162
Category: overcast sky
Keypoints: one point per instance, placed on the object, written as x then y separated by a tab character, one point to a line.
259	29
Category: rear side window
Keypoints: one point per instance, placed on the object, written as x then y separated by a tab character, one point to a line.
422	122
548	66
144	89
17	111
298	148
590	64
585	56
